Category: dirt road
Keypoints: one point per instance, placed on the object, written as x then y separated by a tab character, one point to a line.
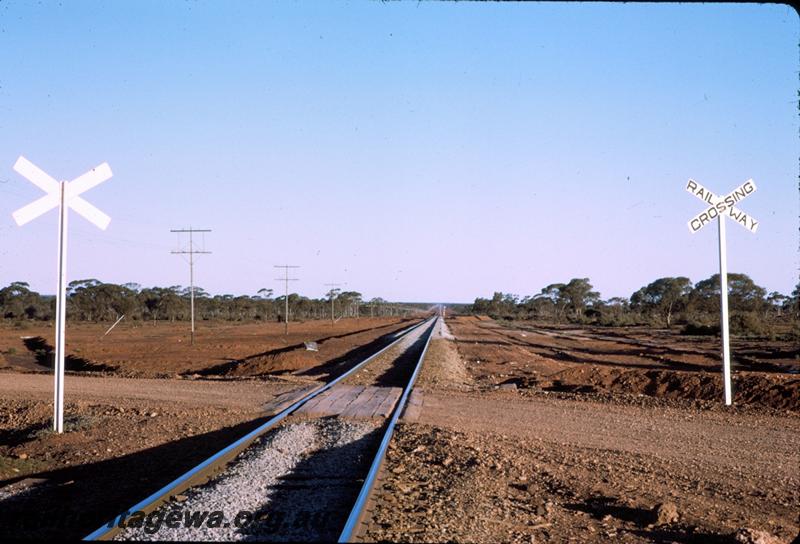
724	443
249	394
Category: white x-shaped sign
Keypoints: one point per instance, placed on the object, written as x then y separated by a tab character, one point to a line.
722	206
72	189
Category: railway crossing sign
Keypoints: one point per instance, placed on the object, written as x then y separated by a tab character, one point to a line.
64	195
722	206
718	209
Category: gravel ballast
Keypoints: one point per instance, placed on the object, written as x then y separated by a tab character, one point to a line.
393	368
298	484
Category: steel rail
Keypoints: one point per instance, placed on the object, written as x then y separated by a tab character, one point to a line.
110	528
358	511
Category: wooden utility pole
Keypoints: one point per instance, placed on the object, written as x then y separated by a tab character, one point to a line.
191	252
286	279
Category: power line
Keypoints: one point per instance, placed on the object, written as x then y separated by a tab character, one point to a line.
286	279
191	252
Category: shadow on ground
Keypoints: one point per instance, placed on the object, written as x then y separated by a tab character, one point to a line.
44	356
398	374
638	521
76	500
339	365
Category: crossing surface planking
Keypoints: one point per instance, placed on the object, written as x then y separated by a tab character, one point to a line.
318	405
331	402
370	408
286	399
362	402
352	401
346	397
387	405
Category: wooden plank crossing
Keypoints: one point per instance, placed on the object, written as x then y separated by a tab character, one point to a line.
386	406
344	399
354	401
362	403
286	399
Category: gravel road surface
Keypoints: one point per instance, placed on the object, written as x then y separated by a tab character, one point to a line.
503	467
240	393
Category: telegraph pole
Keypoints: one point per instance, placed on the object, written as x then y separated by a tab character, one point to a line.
191	252
333	288
286	279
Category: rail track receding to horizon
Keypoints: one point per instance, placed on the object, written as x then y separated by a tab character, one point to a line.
306	474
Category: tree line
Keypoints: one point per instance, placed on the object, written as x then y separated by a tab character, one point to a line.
93	300
664	302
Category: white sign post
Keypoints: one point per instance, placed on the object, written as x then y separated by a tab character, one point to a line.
63	195
718	209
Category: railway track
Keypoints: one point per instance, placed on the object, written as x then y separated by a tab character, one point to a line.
306	474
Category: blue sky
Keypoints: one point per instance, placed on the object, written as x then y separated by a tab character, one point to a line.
415	151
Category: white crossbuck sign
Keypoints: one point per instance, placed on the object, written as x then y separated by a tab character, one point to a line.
719	206
72	189
718	209
62	195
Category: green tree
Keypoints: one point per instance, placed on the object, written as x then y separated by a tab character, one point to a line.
614	310
81	296
776	302
663	297
93	300
557	298
579	293
743	294
794	302
17	301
